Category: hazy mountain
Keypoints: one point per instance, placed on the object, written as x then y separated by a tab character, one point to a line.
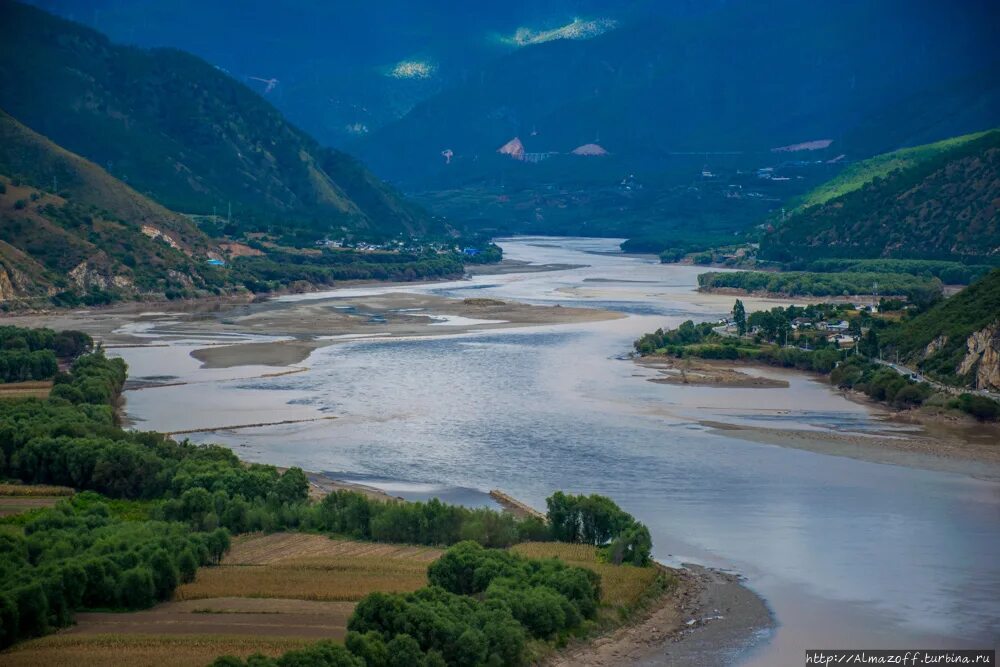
184	133
742	79
938	201
344	69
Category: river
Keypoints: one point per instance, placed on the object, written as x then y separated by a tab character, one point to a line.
847	553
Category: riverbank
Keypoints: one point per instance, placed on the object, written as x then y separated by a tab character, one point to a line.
705	620
805	298
926	438
927	451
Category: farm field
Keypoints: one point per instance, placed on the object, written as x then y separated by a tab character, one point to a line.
155	650
31	389
311	567
272	593
621	585
17	498
10	505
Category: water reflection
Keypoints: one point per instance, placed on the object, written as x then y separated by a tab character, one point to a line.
847	552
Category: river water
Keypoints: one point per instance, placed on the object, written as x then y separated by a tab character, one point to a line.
847	553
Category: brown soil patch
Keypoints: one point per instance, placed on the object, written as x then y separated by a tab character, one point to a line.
34	389
231	616
110	650
15	505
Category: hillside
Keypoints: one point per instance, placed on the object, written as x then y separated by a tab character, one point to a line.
941	203
958	340
69	227
864	172
185	134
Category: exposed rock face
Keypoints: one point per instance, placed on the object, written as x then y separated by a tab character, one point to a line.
154	233
935	345
7	291
982	358
88	276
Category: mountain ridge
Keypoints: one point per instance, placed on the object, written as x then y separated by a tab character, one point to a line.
178	130
939	204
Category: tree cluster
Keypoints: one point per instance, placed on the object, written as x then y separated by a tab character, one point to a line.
599	521
79	556
483	607
917	289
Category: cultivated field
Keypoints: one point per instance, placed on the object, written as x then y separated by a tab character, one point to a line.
34	490
17	498
621	585
260	549
272	593
109	650
16	504
32	389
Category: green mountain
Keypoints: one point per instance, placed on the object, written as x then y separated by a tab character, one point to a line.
185	134
864	172
958	340
938	201
69	229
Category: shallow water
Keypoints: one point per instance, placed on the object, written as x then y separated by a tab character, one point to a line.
847	553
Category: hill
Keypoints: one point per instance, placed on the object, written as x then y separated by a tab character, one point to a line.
185	134
69	229
864	172
933	202
958	340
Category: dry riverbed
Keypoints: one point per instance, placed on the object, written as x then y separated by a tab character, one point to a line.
704	373
924	438
304	326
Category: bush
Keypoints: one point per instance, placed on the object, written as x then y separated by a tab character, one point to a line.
980	407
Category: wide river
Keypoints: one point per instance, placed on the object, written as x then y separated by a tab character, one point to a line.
847	553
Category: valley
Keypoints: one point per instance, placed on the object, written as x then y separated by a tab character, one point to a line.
390	434
564	332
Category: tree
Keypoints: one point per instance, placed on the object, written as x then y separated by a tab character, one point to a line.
869	344
137	589
740	317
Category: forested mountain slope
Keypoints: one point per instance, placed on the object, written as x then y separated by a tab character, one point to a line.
958	340
67	226
940	204
184	133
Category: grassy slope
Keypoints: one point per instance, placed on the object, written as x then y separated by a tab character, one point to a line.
862	173
41	163
941	205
